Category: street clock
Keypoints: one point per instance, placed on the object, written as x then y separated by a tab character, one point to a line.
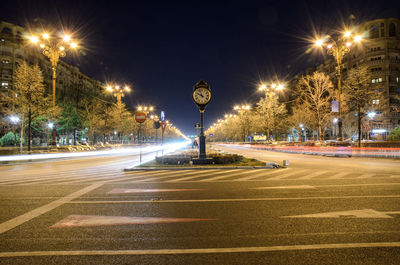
201	94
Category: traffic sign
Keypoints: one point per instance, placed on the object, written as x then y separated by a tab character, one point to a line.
140	117
163	125
162	115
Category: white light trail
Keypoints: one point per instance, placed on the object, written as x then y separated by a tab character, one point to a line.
128	151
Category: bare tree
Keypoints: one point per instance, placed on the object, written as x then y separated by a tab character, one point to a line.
271	113
359	95
315	95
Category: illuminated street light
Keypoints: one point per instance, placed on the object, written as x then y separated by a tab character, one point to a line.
145	109
118	92
338	48
50	125
53	47
275	86
371	114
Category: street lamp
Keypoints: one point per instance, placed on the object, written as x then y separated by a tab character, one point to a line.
54	48
118	92
338	47
145	109
275	86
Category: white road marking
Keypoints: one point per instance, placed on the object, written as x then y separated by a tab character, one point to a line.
365	176
265	173
339	175
313	175
98	220
172	174
126	191
199	174
242	199
289	174
395	176
198	250
238	172
365	213
286	187
10	224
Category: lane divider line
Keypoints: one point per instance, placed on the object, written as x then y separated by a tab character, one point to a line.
198	250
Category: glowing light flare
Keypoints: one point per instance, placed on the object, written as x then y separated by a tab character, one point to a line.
262	87
347	34
67	38
330	46
128	89
358	38
62	48
50	125
34	39
42	46
319	42
280	87
348	44
140	108
45	36
74	45
109	89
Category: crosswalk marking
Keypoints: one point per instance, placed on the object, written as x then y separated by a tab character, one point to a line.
176	174
264	173
206	173
365	176
282	176
114	175
313	175
224	176
339	175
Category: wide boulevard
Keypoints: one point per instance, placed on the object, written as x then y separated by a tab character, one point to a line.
318	210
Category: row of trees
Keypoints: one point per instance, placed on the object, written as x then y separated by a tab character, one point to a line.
308	110
95	118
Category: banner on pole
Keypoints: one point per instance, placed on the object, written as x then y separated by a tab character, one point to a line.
335	106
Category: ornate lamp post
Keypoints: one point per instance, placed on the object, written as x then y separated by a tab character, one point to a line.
338	48
118	92
54	48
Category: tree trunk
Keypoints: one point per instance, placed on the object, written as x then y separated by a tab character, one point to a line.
29	129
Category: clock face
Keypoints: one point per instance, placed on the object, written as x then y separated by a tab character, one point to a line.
201	95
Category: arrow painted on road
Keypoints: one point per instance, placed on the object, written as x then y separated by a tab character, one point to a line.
365	213
98	220
123	191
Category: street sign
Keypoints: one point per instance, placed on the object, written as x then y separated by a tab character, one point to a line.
163	125
140	117
335	106
162	115
156	125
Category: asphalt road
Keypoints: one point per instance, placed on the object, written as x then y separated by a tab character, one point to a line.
319	210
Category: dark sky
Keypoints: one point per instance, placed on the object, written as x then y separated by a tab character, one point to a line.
162	48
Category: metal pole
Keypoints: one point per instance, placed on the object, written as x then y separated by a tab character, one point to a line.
140	143
202	138
54	133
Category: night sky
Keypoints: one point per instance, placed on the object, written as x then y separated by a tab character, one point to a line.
162	48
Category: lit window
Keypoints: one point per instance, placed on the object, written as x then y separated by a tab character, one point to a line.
397	79
4	84
380	79
5	61
375	101
373	81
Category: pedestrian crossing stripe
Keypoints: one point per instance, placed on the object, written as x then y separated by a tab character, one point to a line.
192	175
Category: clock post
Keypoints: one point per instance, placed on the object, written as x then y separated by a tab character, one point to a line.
202	96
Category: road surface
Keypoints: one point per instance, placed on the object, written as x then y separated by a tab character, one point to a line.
319	210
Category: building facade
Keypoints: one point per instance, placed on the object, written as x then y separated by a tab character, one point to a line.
14	49
380	52
71	84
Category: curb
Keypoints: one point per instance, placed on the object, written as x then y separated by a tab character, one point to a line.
194	168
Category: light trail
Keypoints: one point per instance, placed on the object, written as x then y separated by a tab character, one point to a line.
168	148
